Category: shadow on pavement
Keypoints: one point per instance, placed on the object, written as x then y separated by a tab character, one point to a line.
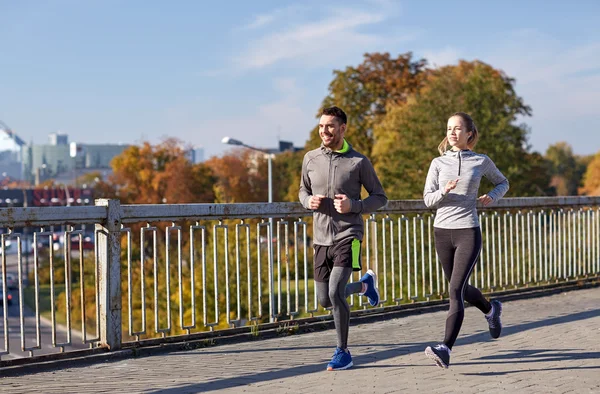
394	352
534	356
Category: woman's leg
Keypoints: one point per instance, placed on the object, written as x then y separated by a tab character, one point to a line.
467	244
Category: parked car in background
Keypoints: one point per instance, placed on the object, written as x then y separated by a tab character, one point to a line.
11	247
8	296
11	281
87	241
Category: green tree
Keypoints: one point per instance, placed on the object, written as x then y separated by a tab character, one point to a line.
365	91
407	138
287	171
567	169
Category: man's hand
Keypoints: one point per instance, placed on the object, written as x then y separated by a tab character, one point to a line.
315	201
342	203
485	200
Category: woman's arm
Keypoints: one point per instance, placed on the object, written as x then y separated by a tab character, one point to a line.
432	194
497	178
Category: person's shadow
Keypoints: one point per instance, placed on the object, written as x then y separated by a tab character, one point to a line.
530	356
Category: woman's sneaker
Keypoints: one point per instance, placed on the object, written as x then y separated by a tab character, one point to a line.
494	319
340	360
372	293
440	354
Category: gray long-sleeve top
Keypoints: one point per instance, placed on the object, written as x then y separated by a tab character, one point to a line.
329	173
458	208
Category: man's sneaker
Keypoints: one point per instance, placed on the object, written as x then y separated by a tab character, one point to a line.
372	293
440	354
340	360
494	320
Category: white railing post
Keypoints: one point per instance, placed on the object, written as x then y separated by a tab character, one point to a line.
108	252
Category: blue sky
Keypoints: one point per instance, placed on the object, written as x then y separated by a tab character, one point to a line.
131	70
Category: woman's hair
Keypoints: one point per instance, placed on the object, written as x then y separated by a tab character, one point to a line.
472	141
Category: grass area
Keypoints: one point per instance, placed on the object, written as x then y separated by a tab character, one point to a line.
45	301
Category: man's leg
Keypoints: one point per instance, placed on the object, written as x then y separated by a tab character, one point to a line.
341	310
322	272
323	294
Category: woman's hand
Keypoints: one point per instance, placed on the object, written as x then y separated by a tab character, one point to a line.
450	185
485	200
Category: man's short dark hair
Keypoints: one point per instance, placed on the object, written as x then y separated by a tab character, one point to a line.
337	112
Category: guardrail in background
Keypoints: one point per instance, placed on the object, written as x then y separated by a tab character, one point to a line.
206	267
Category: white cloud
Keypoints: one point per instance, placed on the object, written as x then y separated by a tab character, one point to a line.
560	81
443	57
260	21
555	79
263	20
317	43
289	116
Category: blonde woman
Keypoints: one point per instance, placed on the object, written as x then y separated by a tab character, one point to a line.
452	187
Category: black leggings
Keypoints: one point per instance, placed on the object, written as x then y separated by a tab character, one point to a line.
458	250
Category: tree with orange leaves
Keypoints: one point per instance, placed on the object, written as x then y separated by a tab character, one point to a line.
242	176
365	91
151	174
591	178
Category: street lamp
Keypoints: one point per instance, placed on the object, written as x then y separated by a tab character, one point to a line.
232	141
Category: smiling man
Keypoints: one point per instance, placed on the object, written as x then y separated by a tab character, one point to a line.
332	178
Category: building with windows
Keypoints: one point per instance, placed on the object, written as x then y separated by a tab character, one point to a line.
59	159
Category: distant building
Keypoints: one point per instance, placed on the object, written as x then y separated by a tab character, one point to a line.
195	155
58	139
287	146
198	155
284	146
41	162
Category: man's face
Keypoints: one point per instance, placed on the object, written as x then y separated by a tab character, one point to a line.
331	132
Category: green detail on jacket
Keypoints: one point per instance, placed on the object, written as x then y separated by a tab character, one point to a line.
345	147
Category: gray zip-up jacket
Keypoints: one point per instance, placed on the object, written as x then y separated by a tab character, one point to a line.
458	208
329	173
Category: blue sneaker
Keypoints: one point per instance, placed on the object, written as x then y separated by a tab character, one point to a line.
340	360
372	293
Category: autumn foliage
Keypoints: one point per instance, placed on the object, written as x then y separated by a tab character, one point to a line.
150	174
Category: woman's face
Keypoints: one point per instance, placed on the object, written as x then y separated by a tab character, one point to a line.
458	136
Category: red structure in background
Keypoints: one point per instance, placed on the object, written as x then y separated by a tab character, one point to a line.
46	197
61	197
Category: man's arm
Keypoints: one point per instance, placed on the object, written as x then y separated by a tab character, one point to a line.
372	185
305	191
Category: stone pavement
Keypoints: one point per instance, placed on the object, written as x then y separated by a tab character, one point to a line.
549	345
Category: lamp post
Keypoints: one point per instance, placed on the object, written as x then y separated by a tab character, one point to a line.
232	141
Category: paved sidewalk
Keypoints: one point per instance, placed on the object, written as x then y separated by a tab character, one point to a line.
548	345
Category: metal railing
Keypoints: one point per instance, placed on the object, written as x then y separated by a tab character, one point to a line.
163	271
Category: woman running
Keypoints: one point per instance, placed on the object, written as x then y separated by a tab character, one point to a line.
452	186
